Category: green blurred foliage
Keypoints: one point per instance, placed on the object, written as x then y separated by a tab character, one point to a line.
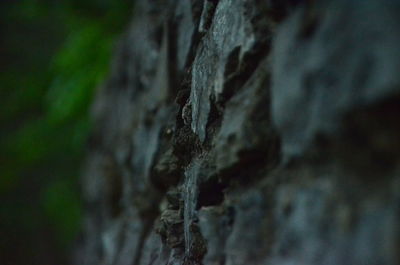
55	53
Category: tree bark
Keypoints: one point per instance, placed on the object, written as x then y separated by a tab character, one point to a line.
248	132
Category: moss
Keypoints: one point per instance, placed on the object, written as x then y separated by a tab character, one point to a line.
57	53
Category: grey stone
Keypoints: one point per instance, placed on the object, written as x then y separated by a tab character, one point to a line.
211	148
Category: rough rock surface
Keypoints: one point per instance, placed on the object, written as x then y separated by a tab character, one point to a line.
248	132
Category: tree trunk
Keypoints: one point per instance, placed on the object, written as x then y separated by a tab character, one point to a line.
248	132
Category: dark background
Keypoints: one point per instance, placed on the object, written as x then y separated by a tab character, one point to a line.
53	55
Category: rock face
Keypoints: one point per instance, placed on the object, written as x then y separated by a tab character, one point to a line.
248	132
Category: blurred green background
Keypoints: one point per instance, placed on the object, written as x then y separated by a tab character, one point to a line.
53	55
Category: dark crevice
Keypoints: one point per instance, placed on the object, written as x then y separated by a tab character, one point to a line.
248	65
252	166
207	15
280	9
211	193
213	122
173	73
232	63
181	99
310	22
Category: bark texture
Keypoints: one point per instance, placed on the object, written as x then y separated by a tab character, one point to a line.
249	132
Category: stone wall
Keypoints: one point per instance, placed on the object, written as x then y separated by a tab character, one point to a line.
248	132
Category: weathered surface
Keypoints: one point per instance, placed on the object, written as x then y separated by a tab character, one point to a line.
249	132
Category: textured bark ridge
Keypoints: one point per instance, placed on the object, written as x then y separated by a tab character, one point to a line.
249	132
